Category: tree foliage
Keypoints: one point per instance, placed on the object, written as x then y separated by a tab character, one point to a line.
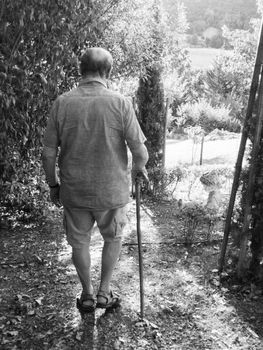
235	14
177	16
204	115
40	43
151	114
202	15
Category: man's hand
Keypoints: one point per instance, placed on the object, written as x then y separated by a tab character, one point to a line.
140	174
54	196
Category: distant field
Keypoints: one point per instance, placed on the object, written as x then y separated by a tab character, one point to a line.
203	58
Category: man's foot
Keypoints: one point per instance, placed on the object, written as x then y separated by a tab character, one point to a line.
107	300
86	303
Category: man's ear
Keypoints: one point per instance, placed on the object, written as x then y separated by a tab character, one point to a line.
108	73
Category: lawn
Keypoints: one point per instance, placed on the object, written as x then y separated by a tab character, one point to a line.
214	152
203	58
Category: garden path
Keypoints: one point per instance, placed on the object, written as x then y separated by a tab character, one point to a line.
186	306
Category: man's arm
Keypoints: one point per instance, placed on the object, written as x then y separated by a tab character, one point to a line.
140	158
49	156
135	140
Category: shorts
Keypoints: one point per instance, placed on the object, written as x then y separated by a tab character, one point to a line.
78	224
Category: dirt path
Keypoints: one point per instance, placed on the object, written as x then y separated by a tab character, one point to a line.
183	310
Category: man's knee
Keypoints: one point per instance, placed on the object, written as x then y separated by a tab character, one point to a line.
111	224
78	225
114	232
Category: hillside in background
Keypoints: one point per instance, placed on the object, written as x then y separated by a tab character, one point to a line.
236	14
206	18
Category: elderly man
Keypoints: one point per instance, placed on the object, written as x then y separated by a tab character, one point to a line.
92	126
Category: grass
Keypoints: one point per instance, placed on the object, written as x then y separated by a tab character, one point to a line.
203	58
214	152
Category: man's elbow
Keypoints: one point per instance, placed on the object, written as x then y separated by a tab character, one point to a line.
48	154
145	156
140	153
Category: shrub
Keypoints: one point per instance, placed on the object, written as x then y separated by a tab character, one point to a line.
25	195
163	182
151	114
195	215
203	114
216	41
228	82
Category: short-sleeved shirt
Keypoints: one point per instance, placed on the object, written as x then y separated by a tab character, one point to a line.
92	126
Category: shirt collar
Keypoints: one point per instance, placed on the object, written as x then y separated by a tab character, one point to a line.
85	81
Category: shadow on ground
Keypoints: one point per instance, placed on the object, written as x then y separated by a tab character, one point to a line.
183	307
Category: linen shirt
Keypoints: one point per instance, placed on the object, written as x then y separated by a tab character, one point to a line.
92	126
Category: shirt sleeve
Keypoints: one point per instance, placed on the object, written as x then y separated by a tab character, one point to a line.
132	130
51	136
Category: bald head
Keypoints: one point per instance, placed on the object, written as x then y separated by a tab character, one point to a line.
96	61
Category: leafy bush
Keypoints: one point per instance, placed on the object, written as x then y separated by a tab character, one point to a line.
151	114
194	216
228	84
203	114
163	182
229	80
186	87
25	195
215	42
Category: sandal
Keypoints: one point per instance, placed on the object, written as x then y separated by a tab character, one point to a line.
83	307
111	301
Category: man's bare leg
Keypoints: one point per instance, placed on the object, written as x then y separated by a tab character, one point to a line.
81	261
110	254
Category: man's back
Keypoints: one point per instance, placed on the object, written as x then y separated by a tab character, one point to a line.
92	127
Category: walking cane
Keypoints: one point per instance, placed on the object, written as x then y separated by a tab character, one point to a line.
138	182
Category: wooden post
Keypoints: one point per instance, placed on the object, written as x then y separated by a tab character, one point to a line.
242	147
251	182
202	149
165	129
